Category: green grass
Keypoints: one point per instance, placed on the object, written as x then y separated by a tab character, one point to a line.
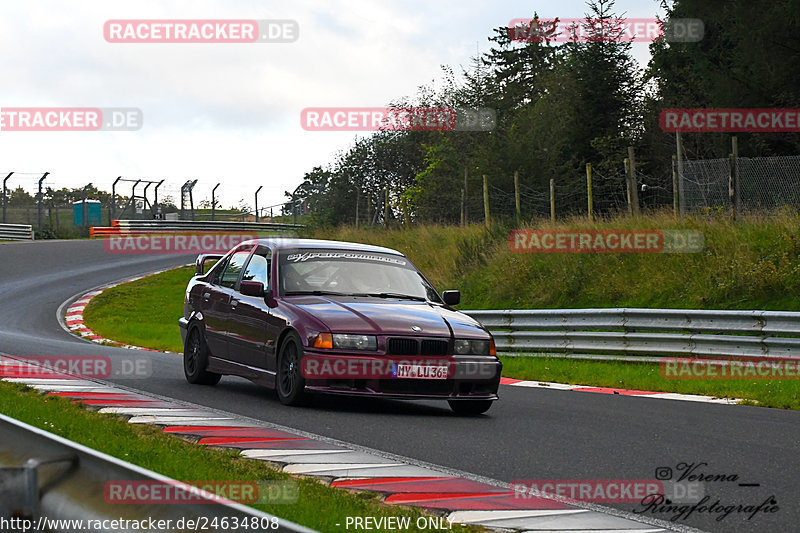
318	506
750	264
144	312
783	394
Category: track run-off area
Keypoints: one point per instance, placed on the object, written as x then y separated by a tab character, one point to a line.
529	434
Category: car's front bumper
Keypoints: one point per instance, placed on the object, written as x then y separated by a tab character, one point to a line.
183	323
470	377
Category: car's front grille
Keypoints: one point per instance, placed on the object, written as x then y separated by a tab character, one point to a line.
402	346
412	346
433	347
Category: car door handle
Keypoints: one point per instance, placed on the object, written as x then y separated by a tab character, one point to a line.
234	303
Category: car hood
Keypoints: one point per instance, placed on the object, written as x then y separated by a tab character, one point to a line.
371	316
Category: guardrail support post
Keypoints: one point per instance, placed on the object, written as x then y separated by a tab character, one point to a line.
5	195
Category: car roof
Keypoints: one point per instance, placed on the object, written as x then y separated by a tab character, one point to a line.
280	243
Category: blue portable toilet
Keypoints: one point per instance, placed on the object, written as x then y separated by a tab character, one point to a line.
92	212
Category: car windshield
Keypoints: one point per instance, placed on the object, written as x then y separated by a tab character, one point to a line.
352	273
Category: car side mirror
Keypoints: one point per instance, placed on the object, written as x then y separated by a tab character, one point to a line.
451	297
251	288
199	264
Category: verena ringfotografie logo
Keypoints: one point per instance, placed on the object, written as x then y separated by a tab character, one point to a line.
642	30
607	241
730	120
175	243
200	492
80	366
397	119
769	368
70	119
201	31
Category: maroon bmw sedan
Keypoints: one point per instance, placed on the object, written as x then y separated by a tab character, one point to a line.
310	316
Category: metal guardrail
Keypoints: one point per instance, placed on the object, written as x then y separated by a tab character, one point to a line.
204	225
44	475
658	332
139	227
16	232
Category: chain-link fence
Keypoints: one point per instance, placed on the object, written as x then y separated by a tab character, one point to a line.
764	183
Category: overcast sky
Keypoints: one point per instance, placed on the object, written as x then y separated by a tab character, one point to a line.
230	113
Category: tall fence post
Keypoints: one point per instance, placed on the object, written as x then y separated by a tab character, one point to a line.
628	185
406	216
464	196
634	183
155	197
386	206
5	195
39	199
681	195
737	200
516	196
112	213
358	200
257	191
675	185
486	215
552	200
463	213
590	199
84	208
214	201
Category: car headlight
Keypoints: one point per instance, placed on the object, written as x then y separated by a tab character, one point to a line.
345	341
471	347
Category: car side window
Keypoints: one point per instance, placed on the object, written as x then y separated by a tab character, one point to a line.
218	269
232	270
258	267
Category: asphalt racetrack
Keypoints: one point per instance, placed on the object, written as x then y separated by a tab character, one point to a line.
529	434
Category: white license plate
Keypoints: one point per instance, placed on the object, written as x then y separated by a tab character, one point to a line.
403	371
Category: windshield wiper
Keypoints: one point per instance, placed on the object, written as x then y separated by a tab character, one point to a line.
316	293
393	295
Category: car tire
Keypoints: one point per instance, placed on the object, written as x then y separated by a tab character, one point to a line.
289	382
470	407
195	359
